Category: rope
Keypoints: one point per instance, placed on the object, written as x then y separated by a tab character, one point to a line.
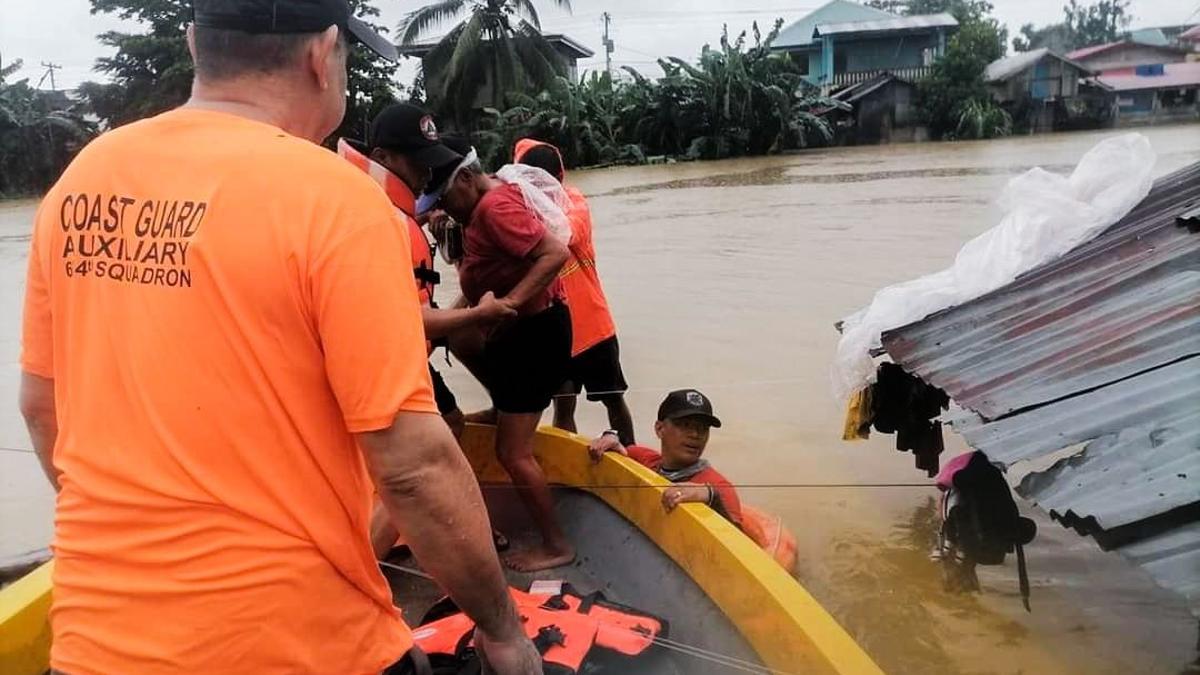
660	390
647	486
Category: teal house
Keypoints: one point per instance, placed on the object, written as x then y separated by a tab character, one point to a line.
843	43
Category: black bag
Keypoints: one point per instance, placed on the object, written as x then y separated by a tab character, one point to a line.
981	522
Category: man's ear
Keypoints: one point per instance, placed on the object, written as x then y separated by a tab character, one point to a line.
191	41
320	51
658	429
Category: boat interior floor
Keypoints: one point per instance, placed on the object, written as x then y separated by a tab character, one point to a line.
613	557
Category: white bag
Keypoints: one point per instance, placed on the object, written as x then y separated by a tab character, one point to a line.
1046	215
544	195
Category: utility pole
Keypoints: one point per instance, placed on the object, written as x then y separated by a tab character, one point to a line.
50	68
608	44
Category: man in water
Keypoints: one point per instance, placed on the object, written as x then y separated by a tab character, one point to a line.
509	252
685	418
595	352
220	357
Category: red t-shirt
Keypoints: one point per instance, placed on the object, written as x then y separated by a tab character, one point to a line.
727	498
497	243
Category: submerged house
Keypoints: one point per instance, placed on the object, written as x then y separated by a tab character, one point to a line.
1085	372
1038	86
843	43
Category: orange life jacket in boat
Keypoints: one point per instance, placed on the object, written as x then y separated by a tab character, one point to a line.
767	530
566	628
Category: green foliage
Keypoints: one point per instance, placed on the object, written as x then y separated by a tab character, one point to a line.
982	119
1098	23
37	136
1101	22
370	80
1057	37
151	72
498	41
956	79
737	99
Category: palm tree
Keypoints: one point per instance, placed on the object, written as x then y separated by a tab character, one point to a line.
499	40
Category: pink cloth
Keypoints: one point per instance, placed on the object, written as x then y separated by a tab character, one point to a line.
945	477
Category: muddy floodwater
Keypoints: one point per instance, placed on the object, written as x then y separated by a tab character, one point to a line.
728	276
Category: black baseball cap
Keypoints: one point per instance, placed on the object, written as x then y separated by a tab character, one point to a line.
289	16
408	128
687	403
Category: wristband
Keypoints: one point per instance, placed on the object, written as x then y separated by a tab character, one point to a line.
610	432
710	494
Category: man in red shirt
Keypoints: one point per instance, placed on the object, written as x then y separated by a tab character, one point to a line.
509	252
684	420
595	352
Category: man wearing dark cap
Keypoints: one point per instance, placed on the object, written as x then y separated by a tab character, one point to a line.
221	363
685	418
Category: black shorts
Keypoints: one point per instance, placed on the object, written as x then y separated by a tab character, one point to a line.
598	369
526	361
446	403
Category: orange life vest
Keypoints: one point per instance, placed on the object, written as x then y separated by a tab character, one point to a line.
565	628
767	530
404	201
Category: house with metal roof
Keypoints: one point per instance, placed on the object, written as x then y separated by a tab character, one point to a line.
1126	54
1164	92
1039	86
1084	374
843	43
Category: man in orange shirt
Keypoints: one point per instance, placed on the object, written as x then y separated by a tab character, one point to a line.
220	359
595	352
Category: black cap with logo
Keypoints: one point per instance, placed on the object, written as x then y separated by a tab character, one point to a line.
408	128
687	403
289	16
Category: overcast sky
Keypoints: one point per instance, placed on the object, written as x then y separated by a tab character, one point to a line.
63	31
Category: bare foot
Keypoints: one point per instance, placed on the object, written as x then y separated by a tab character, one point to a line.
481	417
540	558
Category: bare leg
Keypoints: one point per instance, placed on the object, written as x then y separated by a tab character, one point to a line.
564	410
619	417
514	448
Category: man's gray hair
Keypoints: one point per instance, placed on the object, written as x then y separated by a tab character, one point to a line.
223	54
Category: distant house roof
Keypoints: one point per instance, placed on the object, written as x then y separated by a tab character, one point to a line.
572	46
896	24
1150	36
1009	66
1087	52
1175	75
1191	35
800	34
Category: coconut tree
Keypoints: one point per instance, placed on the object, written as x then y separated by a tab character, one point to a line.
496	40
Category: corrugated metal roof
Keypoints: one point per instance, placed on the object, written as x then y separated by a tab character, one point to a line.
1005	68
800	33
1175	75
1099	347
900	23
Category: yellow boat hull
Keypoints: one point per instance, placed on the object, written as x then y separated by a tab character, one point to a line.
790	631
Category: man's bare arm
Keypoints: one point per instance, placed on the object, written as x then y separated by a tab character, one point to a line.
37	407
433	500
549	256
442	322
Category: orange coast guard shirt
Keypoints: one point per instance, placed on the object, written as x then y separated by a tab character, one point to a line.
218	305
591	321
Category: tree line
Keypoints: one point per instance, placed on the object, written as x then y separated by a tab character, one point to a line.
737	97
